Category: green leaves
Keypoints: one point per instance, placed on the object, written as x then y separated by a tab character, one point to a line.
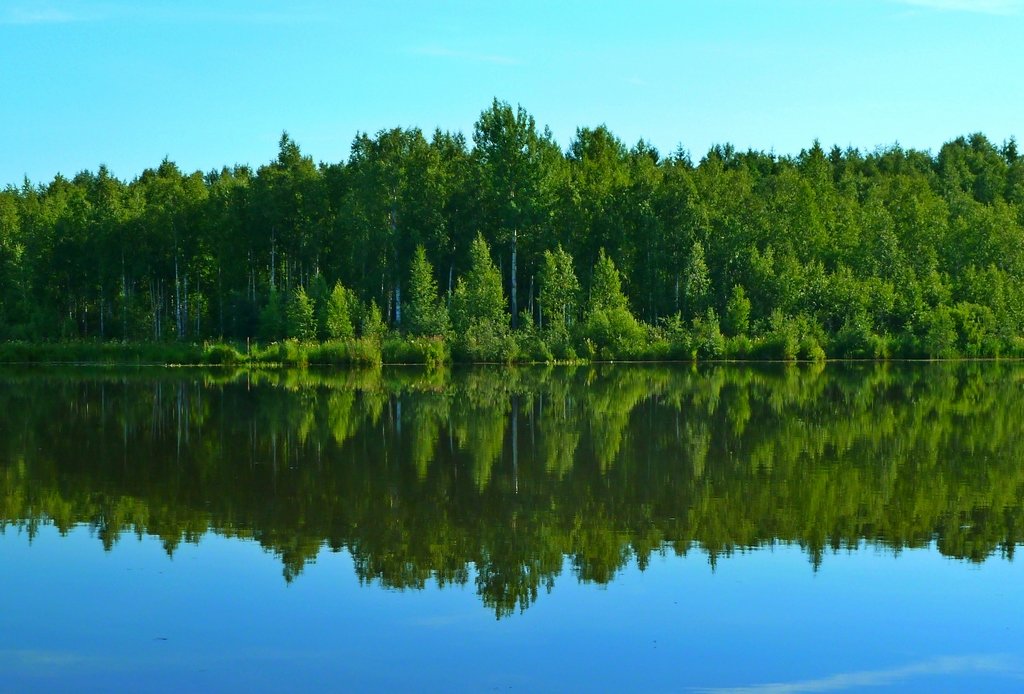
425	313
870	250
338	324
301	323
559	290
478	307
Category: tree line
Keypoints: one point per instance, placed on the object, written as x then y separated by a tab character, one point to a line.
502	245
500	477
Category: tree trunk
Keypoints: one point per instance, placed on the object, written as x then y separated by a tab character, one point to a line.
273	257
184	308
124	300
515	302
220	298
153	308
177	296
515	443
451	271
531	296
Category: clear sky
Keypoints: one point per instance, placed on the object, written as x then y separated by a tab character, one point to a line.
208	83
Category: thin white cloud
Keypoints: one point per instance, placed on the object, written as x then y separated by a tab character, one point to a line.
1001	7
443	52
877	678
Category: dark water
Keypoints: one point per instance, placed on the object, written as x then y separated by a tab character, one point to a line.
609	528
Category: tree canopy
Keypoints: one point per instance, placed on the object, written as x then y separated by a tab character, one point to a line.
888	252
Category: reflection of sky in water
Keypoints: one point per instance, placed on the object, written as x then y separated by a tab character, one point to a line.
219	616
949	666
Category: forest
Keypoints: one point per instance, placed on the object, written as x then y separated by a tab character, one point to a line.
506	479
504	247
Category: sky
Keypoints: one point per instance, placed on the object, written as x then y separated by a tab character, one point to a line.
210	83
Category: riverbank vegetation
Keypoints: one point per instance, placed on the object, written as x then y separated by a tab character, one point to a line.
504	247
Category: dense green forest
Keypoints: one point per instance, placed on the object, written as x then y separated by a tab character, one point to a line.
504	246
506	478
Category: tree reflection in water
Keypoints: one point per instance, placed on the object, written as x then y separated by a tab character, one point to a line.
497	475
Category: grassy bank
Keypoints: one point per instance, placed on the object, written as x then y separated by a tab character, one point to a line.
396	349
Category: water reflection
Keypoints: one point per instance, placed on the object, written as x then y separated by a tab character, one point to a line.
496	475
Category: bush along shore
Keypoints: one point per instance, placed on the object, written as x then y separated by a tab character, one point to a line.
506	247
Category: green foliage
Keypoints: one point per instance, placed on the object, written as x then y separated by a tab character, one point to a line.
698	281
737	312
708	341
272	317
425	313
976	330
431	351
373	327
610	329
319	294
559	294
940	336
606	286
533	346
222	354
614	333
337	322
300	319
876	254
788	338
478	309
559	289
361	352
855	339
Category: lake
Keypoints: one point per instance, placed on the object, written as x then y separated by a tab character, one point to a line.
597	528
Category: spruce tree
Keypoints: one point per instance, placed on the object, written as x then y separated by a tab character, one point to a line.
478	306
606	289
425	313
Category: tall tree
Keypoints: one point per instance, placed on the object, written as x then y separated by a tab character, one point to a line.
515	164
559	290
426	314
478	305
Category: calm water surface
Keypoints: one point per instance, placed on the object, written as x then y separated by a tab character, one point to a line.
608	528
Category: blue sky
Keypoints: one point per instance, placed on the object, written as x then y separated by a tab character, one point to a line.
213	83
